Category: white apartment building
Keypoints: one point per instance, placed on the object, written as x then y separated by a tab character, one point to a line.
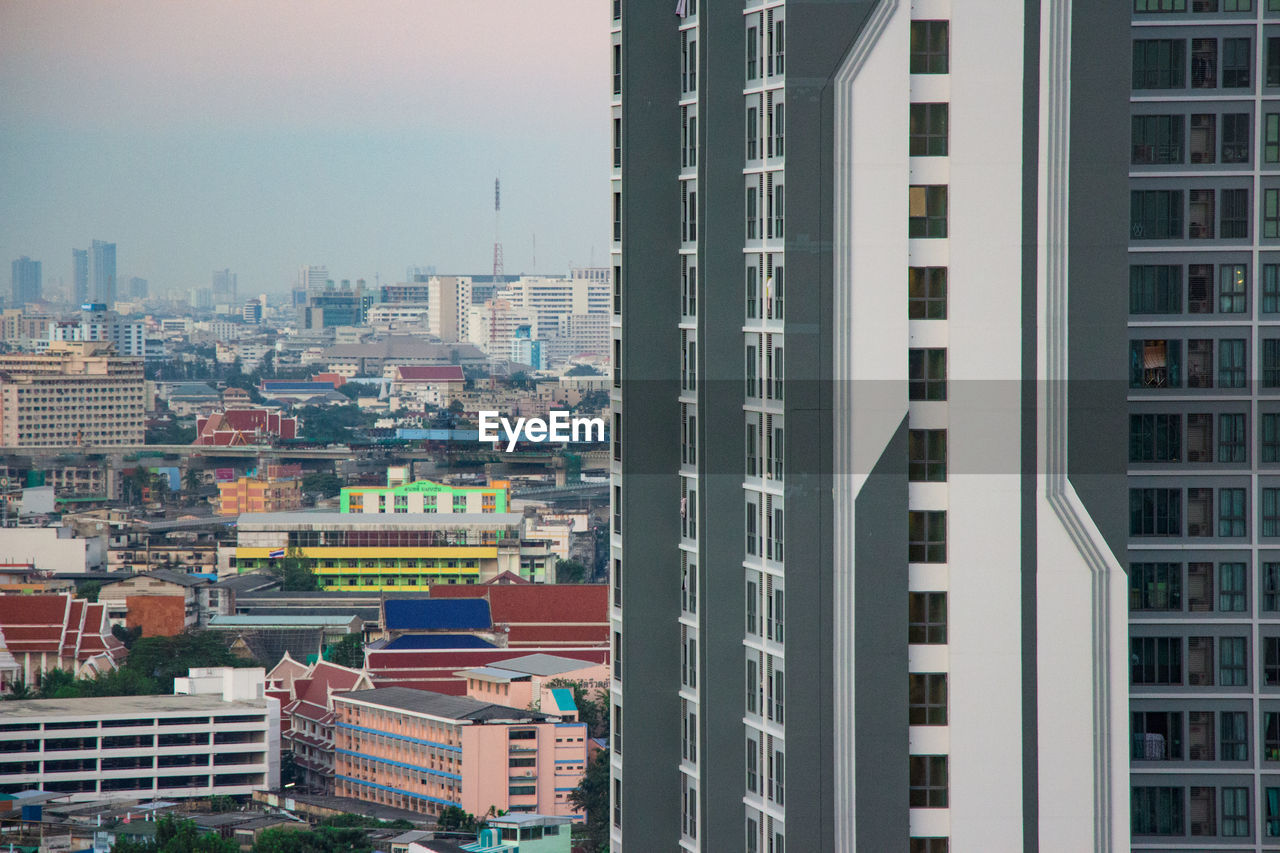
219	735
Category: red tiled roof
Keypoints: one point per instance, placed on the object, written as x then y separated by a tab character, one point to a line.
431	373
542	612
58	624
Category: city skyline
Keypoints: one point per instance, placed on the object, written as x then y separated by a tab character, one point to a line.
349	139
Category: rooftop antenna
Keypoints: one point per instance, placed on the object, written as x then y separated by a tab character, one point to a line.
497	263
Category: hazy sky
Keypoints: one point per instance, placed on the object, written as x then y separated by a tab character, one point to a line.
261	135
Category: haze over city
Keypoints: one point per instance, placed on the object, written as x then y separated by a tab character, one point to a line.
265	136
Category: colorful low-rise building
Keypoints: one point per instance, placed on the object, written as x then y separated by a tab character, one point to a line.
427	497
375	551
259	494
538	681
306	714
424	751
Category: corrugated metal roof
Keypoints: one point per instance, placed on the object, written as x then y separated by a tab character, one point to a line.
242	621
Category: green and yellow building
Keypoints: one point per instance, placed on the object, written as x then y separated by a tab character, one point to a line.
426	497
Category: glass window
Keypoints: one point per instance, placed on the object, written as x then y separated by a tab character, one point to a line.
1237	59
1271	512
1159	139
1235	138
927	536
1231	363
927	618
1232	288
1157	811
927	293
1271	213
1155	289
1231	512
928	699
927	374
1271	289
1233	670
927	211
1204	133
1233	734
1159	63
1200	215
1157	214
1235	811
1231	437
927	455
1271	587
1155	512
1155	660
1235	215
1155	586
928	781
1157	735
1271	661
928	130
1204	63
929	47
1155	438
1159	5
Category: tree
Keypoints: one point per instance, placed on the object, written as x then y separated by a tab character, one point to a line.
192	480
294	573
324	839
454	819
176	835
592	797
324	484
19	690
519	380
128	636
583	370
89	590
349	651
570	571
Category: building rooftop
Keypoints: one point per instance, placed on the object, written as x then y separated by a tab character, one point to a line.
258	621
438	614
426	642
414	520
104	706
543	664
441	705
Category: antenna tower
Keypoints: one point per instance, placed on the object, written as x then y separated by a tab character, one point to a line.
497	263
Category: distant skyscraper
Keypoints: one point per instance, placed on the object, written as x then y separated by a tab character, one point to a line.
104	272
313	279
27	281
139	288
224	286
80	285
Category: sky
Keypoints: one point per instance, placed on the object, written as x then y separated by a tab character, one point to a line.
260	136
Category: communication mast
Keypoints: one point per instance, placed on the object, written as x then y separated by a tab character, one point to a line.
497	264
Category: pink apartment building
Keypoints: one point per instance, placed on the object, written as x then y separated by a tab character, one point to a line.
423	751
528	682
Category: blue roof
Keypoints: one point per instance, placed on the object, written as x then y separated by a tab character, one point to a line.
438	614
563	697
291	385
438	641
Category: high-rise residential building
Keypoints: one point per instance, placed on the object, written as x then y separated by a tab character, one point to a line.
313	279
1204	426
80	276
868	478
138	288
104	272
77	393
28	282
224	287
96	323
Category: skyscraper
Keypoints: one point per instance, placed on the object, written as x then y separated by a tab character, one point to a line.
313	279
28	282
80	280
868	488
104	272
224	287
1204	426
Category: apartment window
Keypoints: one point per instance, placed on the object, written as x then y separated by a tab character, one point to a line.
753	279
617	217
1271	437
1158	139
1271	737
753	212
753	52
1155	660
1271	587
779	616
1271	363
1200	669
1200	587
617	729
1271	661
927	536
1157	735
1271	213
1231	512
617	582
1272	801
779	129
689	63
753	131
752	372
1231	438
1232	287
1155	586
1236	143
690	734
927	374
921	844
1235	215
1200	215
753	685
929	47
1157	811
1233	669
1235	807
1271	512
617	143
1155	214
779	695
617	69
1233	733
779	778
927	293
927	455
753	597
1202	813
1204	63
753	536
1155	438
1159	63
1231	363
1155	289
1199	438
927	618
928	781
927	694
1237	59
1200	289
1271	137
753	835
928	130
779	210
779	286
927	211
754	466
1155	512
1200	363
617	656
617	363
779	60
753	761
